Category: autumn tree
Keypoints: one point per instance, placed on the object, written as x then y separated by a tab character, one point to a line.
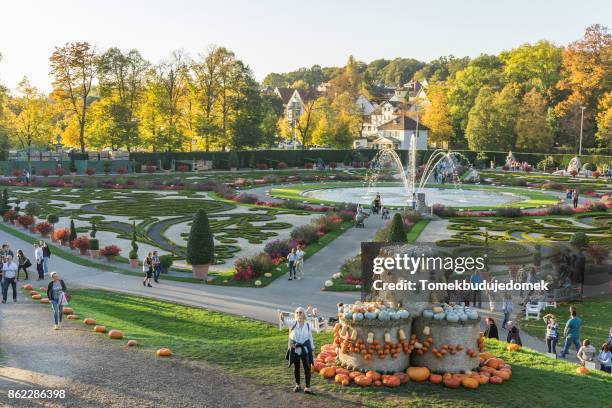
74	68
533	132
604	121
437	116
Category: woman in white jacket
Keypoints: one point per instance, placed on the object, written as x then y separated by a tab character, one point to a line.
300	348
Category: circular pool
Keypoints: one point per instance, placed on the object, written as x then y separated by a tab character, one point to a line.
396	196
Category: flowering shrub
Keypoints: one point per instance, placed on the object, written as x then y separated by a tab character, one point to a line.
599	253
61	234
45	172
10	215
82	243
44	228
110	250
596	174
346	215
26	220
444	211
247	198
552	185
574	173
121	170
333	165
508	212
262	166
560	210
90	171
149	168
505	167
183	168
281	165
309	165
305	234
252	267
60	171
327	223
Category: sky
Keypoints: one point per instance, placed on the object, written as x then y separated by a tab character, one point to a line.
281	36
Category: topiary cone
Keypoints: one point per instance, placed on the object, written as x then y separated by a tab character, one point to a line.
200	246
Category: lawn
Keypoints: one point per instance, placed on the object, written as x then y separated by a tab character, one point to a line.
595	314
256	350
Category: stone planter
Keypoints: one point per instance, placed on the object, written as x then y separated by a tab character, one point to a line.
200	271
134	263
94	253
110	258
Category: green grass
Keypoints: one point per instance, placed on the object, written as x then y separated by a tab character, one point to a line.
256	350
534	198
595	314
416	230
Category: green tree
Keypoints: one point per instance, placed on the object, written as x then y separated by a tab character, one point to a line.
533	132
200	245
506	104
480	131
4	204
134	252
397	232
604	121
73	233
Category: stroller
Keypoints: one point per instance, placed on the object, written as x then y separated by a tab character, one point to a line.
375	207
359	219
385	213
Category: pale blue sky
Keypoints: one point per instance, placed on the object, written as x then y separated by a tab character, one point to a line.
280	36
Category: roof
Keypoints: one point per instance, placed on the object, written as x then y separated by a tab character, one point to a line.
307	94
386	138
402	122
285	94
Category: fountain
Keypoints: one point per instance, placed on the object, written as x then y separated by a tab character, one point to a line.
441	165
575	165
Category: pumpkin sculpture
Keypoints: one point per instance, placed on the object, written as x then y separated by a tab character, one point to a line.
115	334
418	374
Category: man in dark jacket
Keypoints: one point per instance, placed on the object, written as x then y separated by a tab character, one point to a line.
491	330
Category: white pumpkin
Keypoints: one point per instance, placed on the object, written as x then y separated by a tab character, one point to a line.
329	283
257	283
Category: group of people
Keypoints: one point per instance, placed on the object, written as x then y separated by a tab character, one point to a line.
11	266
295	262
572	195
151	266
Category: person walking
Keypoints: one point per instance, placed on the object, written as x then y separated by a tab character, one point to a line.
38	257
476	279
291	263
9	273
508	307
23	263
514	335
156	264
491	330
605	358
575	194
572	332
147	268
46	251
299	262
586	352
56	292
552	333
300	348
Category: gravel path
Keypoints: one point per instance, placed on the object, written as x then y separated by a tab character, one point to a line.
97	372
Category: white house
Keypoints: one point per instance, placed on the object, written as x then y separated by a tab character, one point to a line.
294	101
401	129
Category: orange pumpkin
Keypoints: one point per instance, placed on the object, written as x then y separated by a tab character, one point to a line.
494	362
27	287
435	378
45	300
363	381
33	292
418	374
391	381
355	374
132	343
330	360
115	334
89	321
485	356
483	379
328	372
582	370
36	297
452	382
163	352
375	376
67	310
470	383
328	347
495	380
377	383
72	317
513	347
504	374
342	379
100	329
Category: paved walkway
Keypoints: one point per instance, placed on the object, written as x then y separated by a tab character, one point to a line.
261	304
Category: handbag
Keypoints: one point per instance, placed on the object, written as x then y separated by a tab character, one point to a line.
27	263
63	300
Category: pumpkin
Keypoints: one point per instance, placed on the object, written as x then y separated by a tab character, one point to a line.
391	381
495	380
355	374
328	372
89	321
318	366
72	317
132	343
27	287
36	297
363	381
582	370
470	383
33	292
435	378
373	375
403	377
483	379
377	383
115	334
67	310
163	352
342	379
452	382
100	329
328	347
330	360
485	356
513	347
504	374
494	362
418	374
45	300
